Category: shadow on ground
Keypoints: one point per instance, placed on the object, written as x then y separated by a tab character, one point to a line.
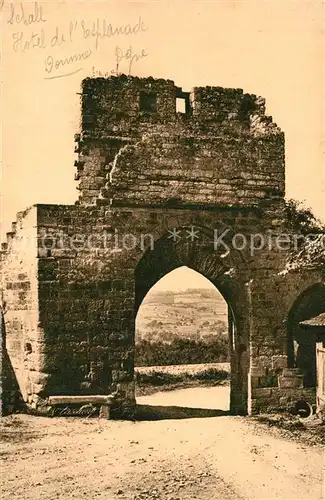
150	412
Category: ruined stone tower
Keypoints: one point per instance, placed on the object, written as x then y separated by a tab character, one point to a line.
74	276
135	149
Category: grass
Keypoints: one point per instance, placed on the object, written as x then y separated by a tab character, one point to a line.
155	380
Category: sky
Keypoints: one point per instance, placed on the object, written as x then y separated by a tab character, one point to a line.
272	48
181	279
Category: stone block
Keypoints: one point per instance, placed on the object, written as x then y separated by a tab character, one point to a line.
257	371
38	378
128	389
260	365
291	382
42	252
291	372
120	376
254	381
63	253
104	412
268	381
262	392
279	362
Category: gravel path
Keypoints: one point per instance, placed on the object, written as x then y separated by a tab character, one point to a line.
221	457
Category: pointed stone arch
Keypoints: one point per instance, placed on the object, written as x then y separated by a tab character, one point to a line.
223	273
302	345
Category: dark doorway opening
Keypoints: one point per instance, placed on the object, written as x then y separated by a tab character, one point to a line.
302	342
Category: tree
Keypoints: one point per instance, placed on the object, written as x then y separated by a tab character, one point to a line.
309	249
300	219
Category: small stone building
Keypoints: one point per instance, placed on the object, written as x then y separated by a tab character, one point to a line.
158	189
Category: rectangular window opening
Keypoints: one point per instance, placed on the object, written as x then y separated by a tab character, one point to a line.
180	105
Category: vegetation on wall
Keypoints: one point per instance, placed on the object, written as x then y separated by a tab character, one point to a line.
309	250
300	219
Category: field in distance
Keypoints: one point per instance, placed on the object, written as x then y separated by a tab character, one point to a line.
190	314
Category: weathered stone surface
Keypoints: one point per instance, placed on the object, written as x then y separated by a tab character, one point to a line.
279	362
214	154
73	277
291	382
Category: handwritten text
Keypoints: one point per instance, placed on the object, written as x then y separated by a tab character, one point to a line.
129	56
100	29
19	14
80	38
52	64
24	42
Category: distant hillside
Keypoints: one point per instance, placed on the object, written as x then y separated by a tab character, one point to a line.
196	313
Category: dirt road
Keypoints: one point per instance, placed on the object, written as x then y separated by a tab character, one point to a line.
196	397
221	457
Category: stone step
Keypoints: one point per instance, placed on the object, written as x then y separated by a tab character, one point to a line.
296	382
291	372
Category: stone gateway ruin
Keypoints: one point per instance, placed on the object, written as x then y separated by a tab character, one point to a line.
159	189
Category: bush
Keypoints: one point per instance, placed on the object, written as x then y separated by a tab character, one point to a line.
211	374
310	251
182	351
301	219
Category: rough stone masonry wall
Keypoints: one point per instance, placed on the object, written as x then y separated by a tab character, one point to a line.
20	304
83	338
86	305
144	169
87	296
274	385
222	151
